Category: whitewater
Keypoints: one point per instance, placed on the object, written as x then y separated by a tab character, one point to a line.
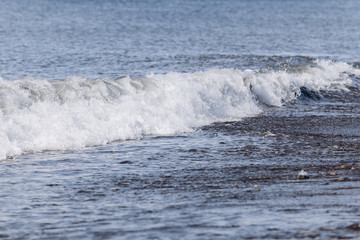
46	115
179	119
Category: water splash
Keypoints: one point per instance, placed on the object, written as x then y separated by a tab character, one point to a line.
38	115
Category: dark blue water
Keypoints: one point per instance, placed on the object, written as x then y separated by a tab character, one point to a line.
222	104
47	39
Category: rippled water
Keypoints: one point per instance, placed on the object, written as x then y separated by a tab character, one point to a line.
225	181
41	38
191	151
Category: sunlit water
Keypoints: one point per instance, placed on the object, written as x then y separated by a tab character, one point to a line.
181	119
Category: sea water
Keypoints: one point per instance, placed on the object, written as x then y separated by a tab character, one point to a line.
133	119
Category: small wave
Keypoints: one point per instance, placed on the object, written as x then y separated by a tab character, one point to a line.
38	115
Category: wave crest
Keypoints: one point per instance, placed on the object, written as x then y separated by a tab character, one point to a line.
38	115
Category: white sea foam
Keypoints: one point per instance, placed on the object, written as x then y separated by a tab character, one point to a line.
38	115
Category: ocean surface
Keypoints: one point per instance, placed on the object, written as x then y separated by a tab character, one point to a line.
178	119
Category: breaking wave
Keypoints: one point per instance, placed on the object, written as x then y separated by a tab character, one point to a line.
38	115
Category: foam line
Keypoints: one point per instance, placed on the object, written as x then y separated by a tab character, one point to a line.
38	115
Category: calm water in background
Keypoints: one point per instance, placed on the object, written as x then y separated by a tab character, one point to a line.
95	39
182	184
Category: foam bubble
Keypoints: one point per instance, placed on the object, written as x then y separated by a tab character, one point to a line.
38	115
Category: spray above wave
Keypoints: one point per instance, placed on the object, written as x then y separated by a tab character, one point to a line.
38	115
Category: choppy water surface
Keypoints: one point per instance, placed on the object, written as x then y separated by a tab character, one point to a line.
179	119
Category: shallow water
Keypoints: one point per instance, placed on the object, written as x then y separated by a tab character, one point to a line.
221	106
227	180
